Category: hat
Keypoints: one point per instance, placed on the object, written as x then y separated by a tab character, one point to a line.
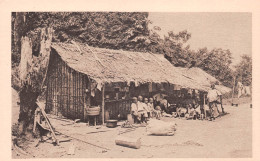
212	86
134	98
157	108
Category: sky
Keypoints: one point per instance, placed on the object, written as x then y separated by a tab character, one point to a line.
231	31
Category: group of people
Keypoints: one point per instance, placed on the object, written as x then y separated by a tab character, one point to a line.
205	110
142	109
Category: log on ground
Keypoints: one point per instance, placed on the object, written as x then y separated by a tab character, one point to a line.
128	142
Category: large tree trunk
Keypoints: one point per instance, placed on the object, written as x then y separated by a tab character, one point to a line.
18	27
32	76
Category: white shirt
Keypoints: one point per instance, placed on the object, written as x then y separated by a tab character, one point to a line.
151	107
146	107
134	107
213	95
140	106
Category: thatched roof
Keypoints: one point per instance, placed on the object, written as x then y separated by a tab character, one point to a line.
204	78
199	75
106	65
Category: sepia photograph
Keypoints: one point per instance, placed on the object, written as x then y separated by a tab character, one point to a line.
131	85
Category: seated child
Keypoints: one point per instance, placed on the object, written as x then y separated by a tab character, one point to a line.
191	113
181	111
158	112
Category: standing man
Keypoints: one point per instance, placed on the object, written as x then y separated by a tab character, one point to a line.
214	97
151	107
141	110
134	110
146	110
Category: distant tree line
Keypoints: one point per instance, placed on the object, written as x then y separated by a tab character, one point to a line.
127	31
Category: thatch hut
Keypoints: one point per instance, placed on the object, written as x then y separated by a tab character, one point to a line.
204	78
80	76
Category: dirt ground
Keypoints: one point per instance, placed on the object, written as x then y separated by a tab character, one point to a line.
228	136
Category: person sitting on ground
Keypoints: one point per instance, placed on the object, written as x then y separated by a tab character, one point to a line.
158	112
134	109
214	97
164	104
181	111
198	111
151	107
191	113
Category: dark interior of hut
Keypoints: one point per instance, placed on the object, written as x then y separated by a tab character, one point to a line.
118	97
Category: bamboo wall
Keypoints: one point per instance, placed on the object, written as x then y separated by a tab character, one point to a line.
65	89
66	93
116	107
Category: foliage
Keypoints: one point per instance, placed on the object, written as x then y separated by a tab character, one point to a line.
174	48
115	30
127	31
217	63
244	70
16	84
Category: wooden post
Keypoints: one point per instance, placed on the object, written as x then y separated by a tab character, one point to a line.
204	103
233	90
88	96
103	104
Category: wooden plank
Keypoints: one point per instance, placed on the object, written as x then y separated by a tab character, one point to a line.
67	101
49	124
73	101
52	92
62	89
77	95
89	93
54	88
51	98
79	104
47	93
69	82
81	96
84	85
77	98
103	104
59	87
233	89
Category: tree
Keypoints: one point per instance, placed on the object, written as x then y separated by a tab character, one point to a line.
18	26
114	30
175	49
243	70
216	62
33	70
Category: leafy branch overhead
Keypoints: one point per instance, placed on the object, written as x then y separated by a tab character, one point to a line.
120	30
